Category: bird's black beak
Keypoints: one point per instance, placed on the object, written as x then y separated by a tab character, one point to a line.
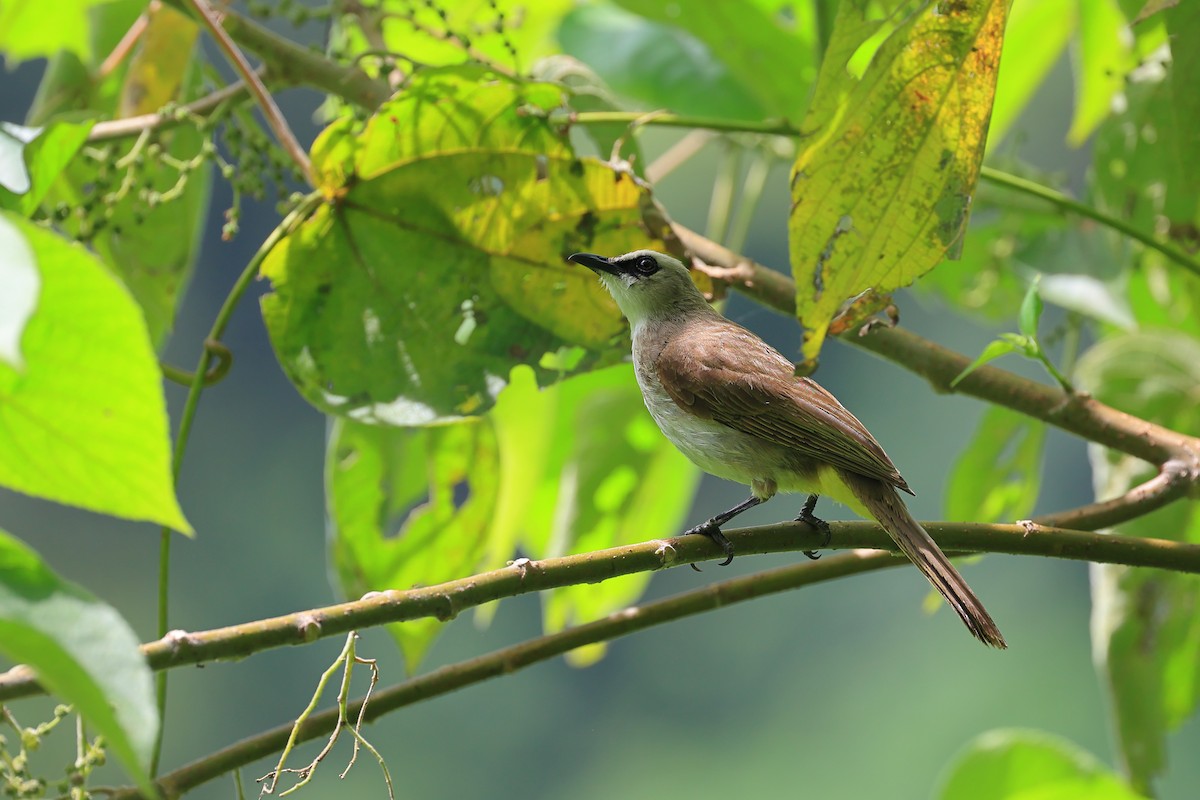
594	262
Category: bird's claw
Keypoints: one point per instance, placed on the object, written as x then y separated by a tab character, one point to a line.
713	532
809	518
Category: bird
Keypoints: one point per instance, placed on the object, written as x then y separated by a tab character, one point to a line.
733	405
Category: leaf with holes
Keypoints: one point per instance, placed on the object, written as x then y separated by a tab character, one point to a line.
882	190
438	264
409	508
584	468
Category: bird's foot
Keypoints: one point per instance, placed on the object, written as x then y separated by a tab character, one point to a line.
713	531
809	518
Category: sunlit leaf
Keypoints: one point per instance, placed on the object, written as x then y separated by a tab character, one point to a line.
656	65
881	189
511	34
996	479
438	265
1152	689
32	30
82	651
995	349
768	47
31	160
1014	764
1034	39
82	416
409	507
585	468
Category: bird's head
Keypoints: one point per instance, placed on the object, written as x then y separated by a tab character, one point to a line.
646	285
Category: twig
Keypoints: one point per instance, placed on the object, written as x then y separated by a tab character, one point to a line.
134	126
274	117
127	43
296	65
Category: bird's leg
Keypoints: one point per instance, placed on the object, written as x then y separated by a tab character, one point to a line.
712	528
807	516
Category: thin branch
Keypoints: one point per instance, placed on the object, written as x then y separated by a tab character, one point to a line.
447	600
134	126
296	65
1073	206
275	119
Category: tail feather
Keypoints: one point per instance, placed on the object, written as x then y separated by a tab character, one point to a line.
889	510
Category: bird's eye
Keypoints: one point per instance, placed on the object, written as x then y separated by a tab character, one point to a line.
646	265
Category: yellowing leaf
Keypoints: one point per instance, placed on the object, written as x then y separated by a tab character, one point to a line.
438	264
882	191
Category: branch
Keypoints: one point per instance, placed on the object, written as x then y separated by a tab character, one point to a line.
1078	414
295	64
135	126
447	600
1010	538
271	112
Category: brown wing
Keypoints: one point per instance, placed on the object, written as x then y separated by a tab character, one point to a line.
721	371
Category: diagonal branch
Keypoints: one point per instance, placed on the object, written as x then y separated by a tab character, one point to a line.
274	117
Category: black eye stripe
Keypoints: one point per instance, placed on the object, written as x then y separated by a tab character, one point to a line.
646	265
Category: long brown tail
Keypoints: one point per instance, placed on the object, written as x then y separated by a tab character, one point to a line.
886	506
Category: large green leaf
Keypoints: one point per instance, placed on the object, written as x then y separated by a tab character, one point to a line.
881	189
1153	688
998	474
1015	764
82	650
584	468
82	416
1034	39
437	264
511	34
767	46
657	65
409	507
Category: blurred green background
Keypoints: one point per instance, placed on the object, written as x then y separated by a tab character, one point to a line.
842	690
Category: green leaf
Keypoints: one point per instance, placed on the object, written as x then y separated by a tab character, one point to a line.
585	468
881	191
1144	158
1034	40
409	507
82	417
767	46
996	479
31	160
1014	764
32	30
509	33
994	350
1031	310
153	211
1153	689
656	65
82	650
1105	57
439	264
